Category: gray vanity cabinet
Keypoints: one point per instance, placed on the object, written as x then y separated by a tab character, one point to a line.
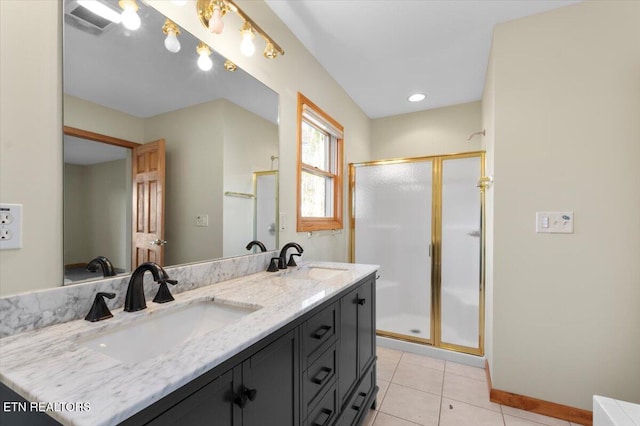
273	373
210	405
261	390
357	378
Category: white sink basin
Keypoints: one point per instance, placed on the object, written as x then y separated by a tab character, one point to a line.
161	331
316	273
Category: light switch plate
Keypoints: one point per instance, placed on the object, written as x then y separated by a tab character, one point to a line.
202	220
10	226
554	222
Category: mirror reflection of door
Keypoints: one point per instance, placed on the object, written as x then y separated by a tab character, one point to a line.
265	215
99	201
148	203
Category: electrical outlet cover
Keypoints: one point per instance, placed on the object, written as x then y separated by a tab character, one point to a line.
10	226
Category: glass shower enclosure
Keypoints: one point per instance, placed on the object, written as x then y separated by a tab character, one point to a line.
420	219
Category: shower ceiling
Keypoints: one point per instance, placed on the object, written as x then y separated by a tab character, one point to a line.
381	52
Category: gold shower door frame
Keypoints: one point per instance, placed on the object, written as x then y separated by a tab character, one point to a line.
436	248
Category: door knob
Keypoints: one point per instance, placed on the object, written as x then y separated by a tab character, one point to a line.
158	242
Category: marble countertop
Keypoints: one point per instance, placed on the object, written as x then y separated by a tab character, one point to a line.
50	366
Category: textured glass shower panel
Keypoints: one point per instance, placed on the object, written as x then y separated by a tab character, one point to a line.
393	230
460	262
265	210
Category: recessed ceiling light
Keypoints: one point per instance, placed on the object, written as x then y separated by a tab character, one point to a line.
417	97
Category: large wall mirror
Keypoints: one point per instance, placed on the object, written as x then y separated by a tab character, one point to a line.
220	133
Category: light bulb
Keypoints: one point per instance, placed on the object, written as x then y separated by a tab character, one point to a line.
171	30
171	42
130	18
246	46
179	2
204	61
216	24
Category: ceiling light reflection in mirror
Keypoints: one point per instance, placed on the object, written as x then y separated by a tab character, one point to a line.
134	73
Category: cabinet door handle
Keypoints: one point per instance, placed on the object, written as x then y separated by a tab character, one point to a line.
321	332
361	301
328	413
245	395
358	407
325	372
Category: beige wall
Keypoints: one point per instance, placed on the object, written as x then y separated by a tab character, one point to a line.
89	116
76	219
431	132
247	148
567	137
31	142
194	144
96	223
108	202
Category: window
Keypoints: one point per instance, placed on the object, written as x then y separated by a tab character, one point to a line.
319	169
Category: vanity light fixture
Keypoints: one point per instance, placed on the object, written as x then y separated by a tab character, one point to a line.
101	10
417	97
130	18
246	46
211	12
171	42
204	57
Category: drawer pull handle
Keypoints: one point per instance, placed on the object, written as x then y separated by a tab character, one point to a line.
321	332
318	380
360	301
328	413
358	407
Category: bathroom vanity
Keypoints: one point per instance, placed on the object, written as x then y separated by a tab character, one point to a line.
302	353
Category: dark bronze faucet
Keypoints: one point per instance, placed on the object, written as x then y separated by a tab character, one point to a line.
256	243
282	263
104	264
135	301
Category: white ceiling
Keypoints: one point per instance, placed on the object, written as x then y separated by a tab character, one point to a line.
382	51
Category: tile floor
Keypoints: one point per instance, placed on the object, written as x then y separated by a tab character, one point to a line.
419	390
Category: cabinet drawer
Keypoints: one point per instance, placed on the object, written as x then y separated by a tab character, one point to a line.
324	413
318	376
359	401
318	333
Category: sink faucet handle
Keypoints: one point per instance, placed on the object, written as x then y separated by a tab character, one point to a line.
99	310
163	295
291	261
273	264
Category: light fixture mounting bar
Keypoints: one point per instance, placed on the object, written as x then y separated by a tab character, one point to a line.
204	8
234	7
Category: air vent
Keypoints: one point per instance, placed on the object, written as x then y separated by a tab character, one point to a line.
87	21
90	17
